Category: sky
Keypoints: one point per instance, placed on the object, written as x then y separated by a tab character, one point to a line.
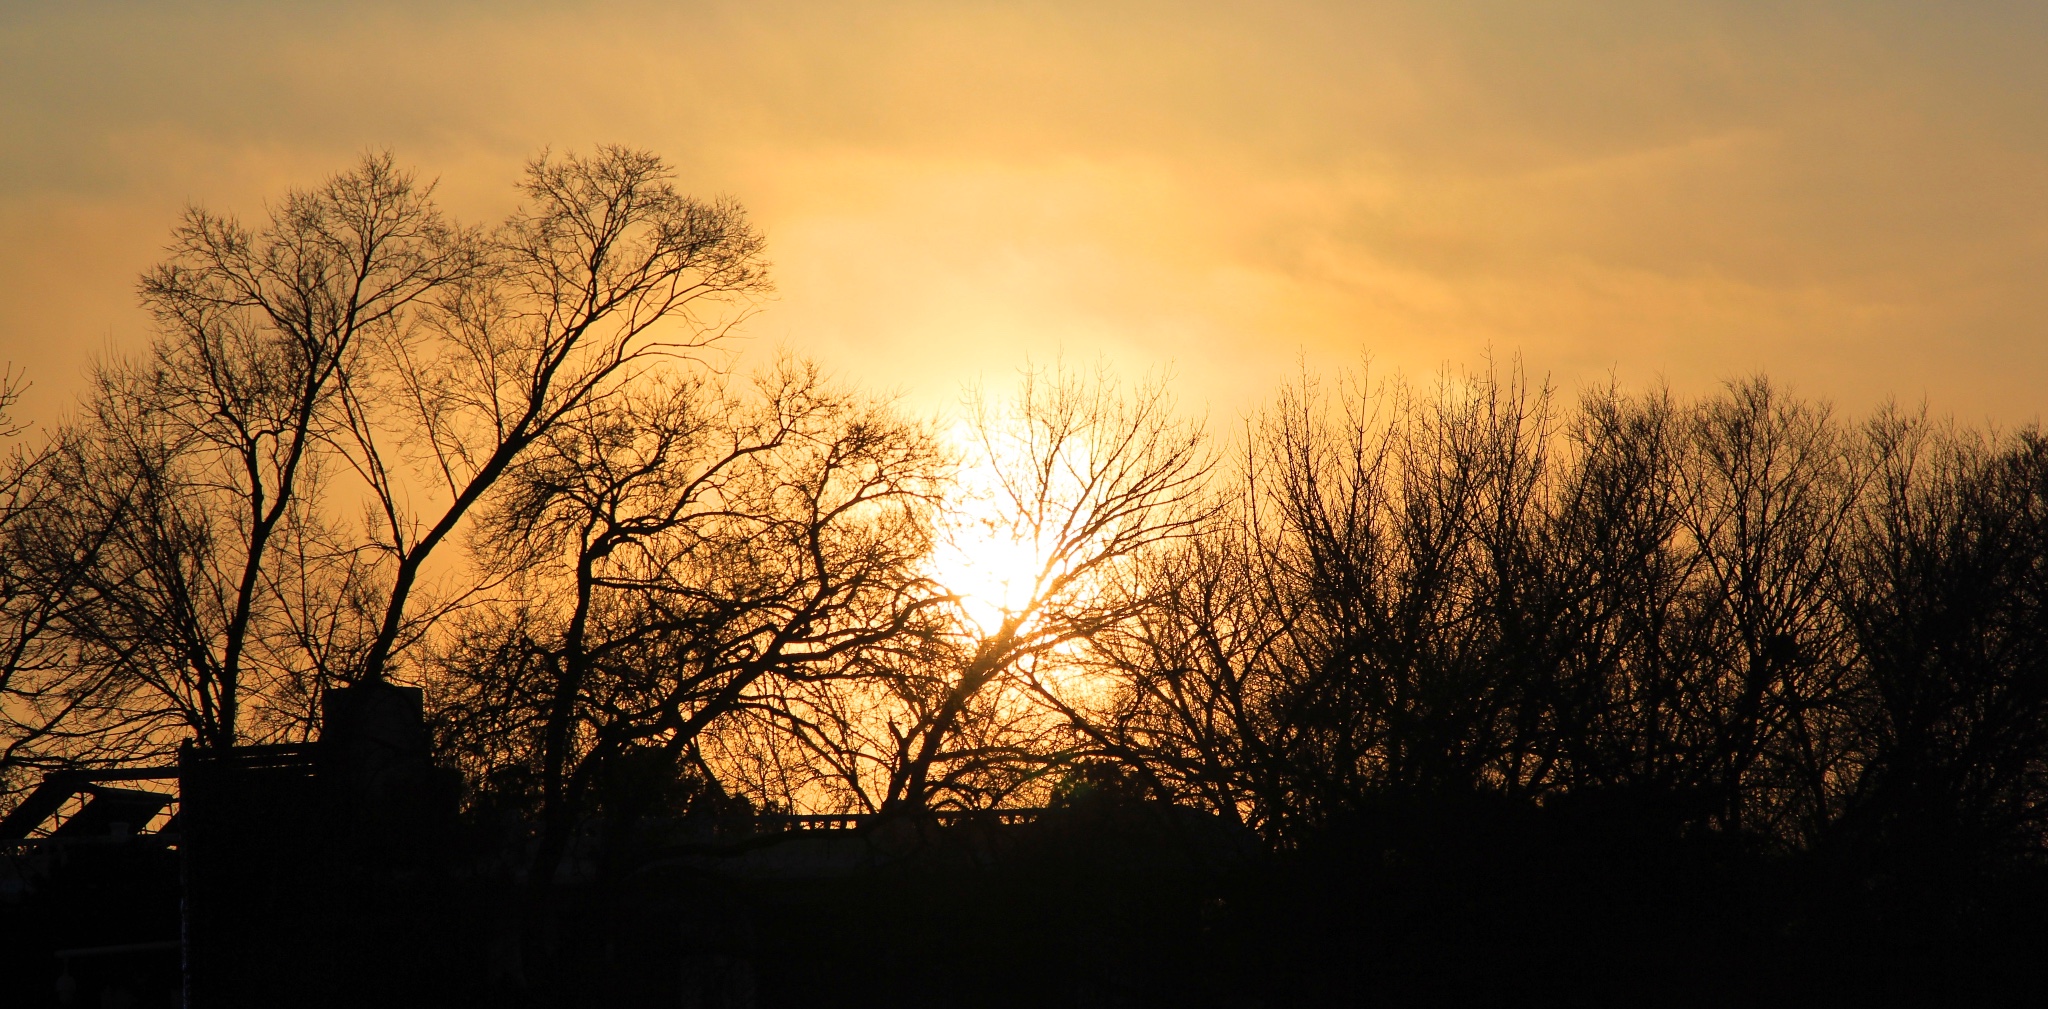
1851	197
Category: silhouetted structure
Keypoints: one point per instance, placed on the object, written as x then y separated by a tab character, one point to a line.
285	871
306	865
89	911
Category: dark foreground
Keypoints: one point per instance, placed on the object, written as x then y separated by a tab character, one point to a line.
1101	903
339	874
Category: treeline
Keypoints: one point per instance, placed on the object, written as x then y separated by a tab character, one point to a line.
515	465
1739	614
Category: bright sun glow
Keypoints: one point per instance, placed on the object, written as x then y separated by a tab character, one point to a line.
987	554
993	572
995	569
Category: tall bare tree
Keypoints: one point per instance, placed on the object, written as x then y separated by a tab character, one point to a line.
196	460
355	348
606	271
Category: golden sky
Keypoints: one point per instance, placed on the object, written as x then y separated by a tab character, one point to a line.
1852	196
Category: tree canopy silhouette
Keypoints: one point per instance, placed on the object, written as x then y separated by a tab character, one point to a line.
514	465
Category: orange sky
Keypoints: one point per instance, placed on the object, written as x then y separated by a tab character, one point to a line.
1853	197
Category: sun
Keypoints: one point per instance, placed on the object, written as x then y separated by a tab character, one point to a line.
990	562
988	553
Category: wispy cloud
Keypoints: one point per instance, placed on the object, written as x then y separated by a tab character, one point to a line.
1852	196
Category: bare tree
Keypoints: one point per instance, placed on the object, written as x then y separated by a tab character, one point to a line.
1090	479
605	272
1601	712
354	348
45	700
1361	619
195	461
1770	495
1945	594
688	557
